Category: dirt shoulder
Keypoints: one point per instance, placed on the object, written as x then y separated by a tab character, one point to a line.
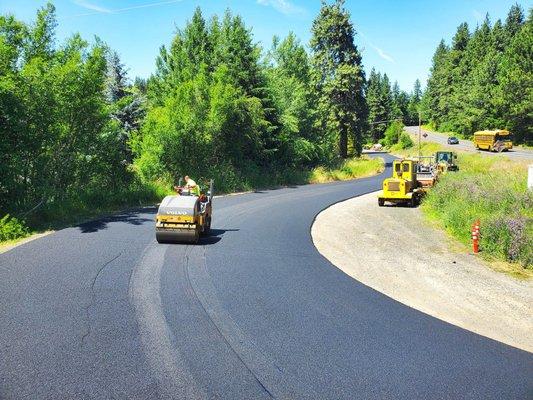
393	250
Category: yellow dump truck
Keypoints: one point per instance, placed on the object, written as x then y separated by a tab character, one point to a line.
403	186
496	140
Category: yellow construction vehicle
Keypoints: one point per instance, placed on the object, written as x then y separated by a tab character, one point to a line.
445	161
403	186
184	217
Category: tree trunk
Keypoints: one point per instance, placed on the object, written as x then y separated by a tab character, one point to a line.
343	144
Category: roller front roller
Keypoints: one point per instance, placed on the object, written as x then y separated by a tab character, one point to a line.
177	235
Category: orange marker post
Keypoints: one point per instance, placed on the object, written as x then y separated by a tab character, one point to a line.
475	236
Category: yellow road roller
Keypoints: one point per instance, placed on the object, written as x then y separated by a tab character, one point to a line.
183	217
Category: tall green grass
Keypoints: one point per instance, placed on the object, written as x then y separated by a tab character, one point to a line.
349	169
80	206
91	203
493	190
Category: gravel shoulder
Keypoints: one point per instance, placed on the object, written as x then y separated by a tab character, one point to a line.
393	250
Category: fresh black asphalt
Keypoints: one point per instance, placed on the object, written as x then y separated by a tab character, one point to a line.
100	311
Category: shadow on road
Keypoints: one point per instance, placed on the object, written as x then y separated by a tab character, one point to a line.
214	236
130	217
275	188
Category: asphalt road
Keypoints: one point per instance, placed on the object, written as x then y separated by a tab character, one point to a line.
467	145
100	311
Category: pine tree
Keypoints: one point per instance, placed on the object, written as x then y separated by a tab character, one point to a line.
197	43
127	105
455	69
386	96
436	100
414	107
288	76
514	21
483	80
338	76
379	100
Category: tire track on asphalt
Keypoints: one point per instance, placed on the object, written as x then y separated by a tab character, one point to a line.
276	382
170	369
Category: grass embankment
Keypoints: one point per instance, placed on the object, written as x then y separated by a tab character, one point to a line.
426	149
349	169
493	190
97	203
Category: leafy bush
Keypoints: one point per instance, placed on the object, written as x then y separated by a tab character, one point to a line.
404	143
12	228
392	134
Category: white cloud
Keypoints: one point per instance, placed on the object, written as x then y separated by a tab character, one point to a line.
283	6
382	54
378	50
102	10
93	7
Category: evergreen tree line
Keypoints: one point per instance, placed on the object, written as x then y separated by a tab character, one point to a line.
388	104
484	79
74	128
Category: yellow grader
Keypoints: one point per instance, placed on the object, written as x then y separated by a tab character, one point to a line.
413	177
410	180
403	186
182	218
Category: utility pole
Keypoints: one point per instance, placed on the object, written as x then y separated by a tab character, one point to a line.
419	134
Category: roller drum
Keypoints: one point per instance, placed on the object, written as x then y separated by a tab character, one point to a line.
177	235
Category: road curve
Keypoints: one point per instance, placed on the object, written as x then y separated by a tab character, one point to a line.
101	311
467	145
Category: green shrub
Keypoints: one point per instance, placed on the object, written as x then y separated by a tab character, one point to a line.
405	141
12	228
392	134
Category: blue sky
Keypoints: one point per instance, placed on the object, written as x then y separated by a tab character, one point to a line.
397	37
